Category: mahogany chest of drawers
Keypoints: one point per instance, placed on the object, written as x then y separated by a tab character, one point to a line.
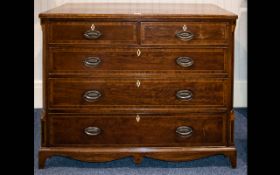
139	80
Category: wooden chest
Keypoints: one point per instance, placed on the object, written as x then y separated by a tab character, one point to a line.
140	80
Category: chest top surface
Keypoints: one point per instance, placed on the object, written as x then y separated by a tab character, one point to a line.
136	10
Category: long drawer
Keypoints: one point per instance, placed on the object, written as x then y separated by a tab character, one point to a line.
134	130
85	60
90	92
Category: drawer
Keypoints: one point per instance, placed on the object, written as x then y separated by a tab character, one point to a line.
142	130
86	92
184	33
79	60
93	33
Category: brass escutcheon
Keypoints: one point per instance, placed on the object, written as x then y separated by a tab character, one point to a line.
138	52
137	118
138	83
92	27
185	27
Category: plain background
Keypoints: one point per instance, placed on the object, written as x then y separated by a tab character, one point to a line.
238	7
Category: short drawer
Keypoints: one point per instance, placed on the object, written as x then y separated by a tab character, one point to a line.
90	92
134	130
93	33
84	60
184	33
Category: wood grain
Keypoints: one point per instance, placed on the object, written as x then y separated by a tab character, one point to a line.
125	29
71	60
134	10
96	154
164	33
121	92
111	32
150	130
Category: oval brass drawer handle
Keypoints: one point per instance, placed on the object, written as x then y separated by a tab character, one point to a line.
184	61
184	34
184	95
92	131
92	61
92	33
184	130
91	95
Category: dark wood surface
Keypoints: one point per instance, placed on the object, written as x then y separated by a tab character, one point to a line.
134	10
105	154
124	92
69	60
111	32
139	42
163	33
125	130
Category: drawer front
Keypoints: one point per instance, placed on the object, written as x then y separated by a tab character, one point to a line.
78	93
93	33
70	60
184	33
147	130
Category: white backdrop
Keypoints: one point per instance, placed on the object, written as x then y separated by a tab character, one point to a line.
237	6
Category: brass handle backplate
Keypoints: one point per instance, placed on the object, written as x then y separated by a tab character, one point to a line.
92	33
92	131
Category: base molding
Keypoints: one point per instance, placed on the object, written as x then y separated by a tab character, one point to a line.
96	154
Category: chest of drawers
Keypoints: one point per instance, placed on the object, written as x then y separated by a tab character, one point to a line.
137	80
